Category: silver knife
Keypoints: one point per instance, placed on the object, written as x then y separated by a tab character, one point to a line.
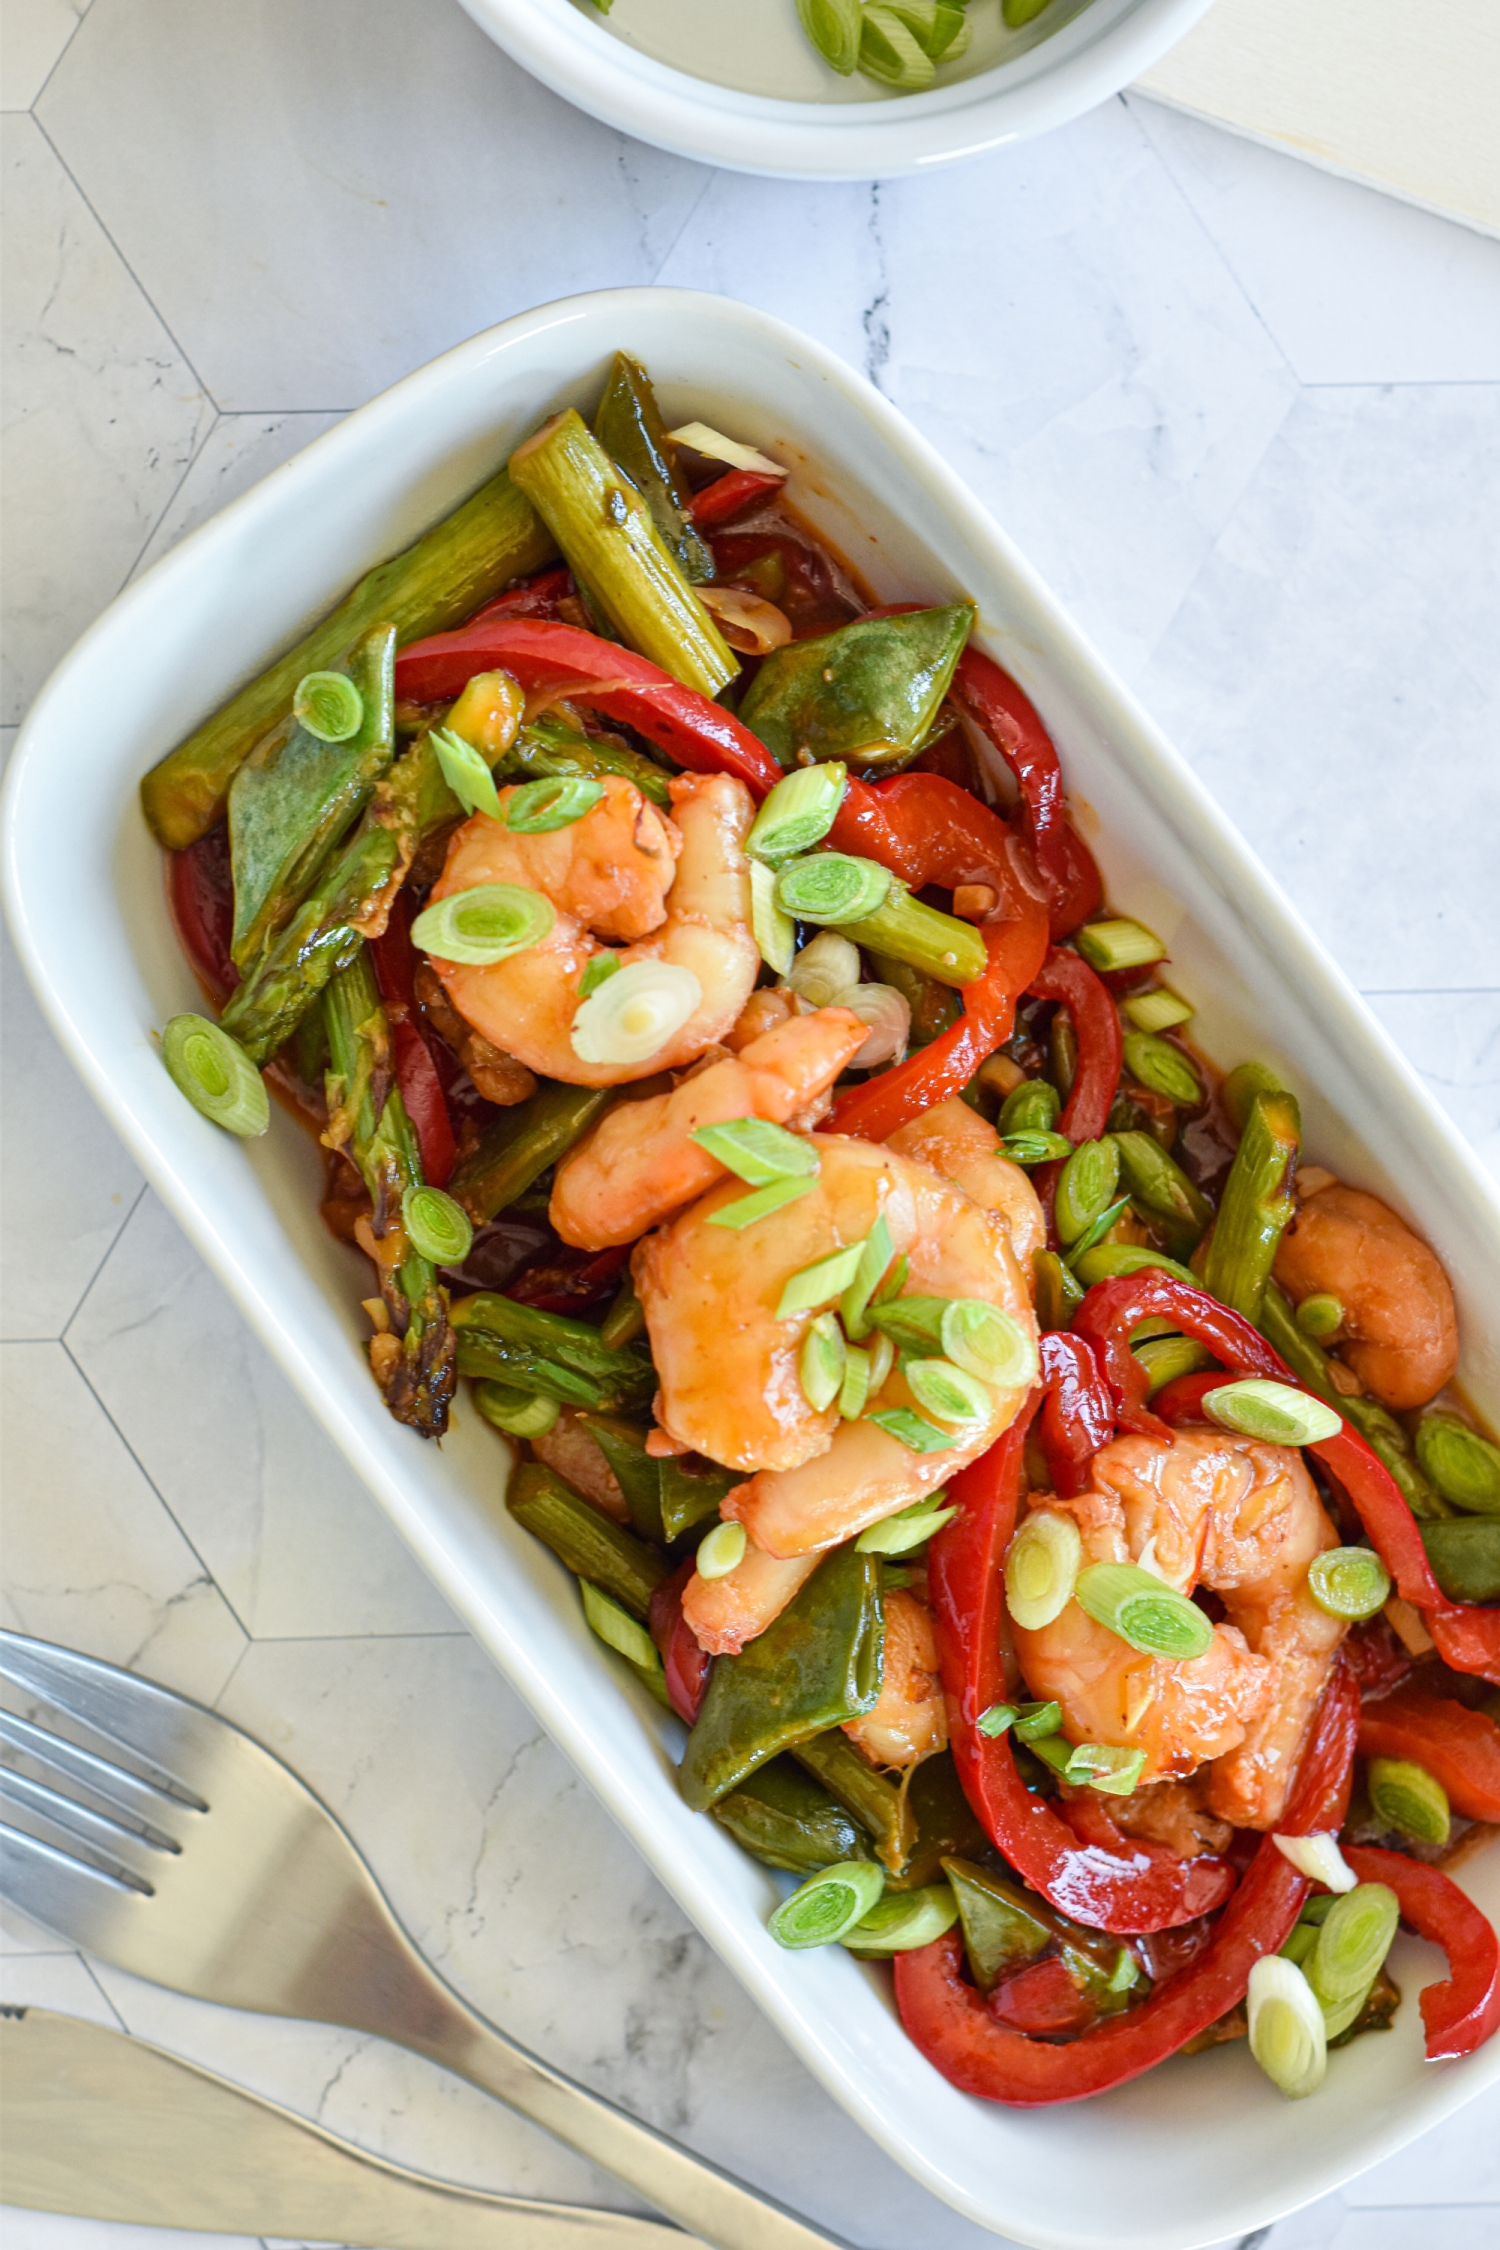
106	2127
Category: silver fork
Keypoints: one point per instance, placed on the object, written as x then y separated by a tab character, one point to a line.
182	1851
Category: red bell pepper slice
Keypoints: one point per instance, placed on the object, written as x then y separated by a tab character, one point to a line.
927	829
1464	2010
686	1665
541	653
394	963
1459	1747
1468	1639
1067	978
1145	1886
952	2023
200	892
538	597
730	495
1078	1411
995	703
1043	2001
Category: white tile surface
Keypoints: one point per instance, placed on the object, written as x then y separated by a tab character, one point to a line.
1245	418
102	415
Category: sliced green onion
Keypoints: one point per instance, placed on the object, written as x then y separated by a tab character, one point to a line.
893	1284
632	1016
616	1626
1464	1466
882	1360
1042	1569
820	1363
1104	1766
1032	1107
775	933
1240	1088
1054	1751
1351	1947
1086	1186
997	1720
329	705
1035	1148
436	1227
486	924
1162	1068
518	1413
819	1283
1259	1408
914	1324
854	1393
1318	1858
828	1905
876	1253
1157	1011
798	813
757	1151
1106	1259
600	966
1166	1357
890	55
828	965
903	1920
886	1016
465	771
216	1074
1320	1315
988	1343
833	26
1121	944
1058	1295
1136	1607
1287	2034
948	1392
1409	1799
1035	1721
1349	1582
537	807
748	1208
722	1551
1095	1232
911	1528
910	1430
832	887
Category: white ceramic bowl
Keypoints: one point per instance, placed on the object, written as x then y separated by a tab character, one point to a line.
736	82
1202	2148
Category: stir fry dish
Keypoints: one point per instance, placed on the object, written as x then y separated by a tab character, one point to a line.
1041	1494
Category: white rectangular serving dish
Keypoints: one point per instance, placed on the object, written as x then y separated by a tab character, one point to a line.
1203	2148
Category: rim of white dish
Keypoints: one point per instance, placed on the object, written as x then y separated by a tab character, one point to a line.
1102	49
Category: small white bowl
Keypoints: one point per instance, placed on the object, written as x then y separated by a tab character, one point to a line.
1200	2149
737	83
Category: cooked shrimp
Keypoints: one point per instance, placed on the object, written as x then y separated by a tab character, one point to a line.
640	1163
956	1141
1244	1519
728	1366
909	1721
767	1006
726	1612
1400	1330
674	890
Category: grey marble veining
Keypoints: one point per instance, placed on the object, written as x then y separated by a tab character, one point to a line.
1243	416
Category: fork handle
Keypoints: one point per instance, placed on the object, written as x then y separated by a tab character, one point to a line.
710	2204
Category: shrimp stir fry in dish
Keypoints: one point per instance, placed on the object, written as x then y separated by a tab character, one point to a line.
1033	1500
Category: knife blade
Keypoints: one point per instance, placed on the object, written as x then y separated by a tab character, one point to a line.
103	2126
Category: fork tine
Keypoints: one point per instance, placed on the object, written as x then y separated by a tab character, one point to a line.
104	1839
156	1727
135	1804
63	1893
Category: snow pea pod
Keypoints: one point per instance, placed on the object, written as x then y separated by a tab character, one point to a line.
866	694
781	1816
1005	1926
629	427
816	1666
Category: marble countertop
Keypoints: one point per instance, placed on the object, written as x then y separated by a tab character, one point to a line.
1246	419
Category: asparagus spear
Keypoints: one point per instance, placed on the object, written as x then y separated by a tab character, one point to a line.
1174	1207
546	749
1257	1205
521	1144
940	945
605	1553
604	529
547	1353
413	1361
296	794
428	588
629	427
